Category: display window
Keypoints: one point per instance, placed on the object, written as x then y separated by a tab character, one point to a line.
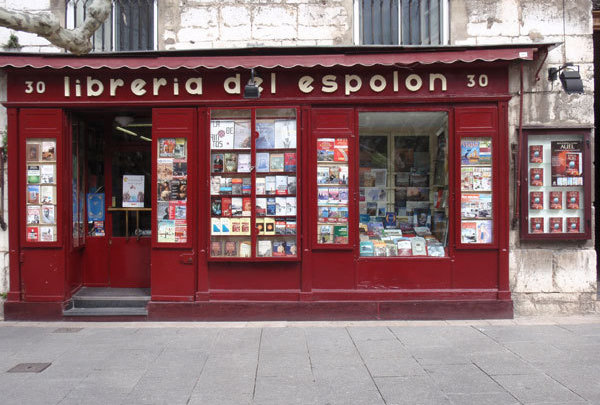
253	183
403	184
555	193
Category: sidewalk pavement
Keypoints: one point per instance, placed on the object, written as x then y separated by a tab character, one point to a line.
521	361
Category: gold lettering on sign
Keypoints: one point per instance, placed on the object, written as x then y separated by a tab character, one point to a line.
114	84
235	82
305	84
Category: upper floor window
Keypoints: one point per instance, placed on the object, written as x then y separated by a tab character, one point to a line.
130	27
401	22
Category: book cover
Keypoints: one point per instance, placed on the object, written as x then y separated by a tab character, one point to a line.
242	138
236	186
236	206
47	233
215	185
261	186
536	153
47	194
33	214
469	152
556	224
482	178
261	207
236	227
271	185
246	223
166	147
243	163
279	227
264	248
468	232
290	206
572	200
215	226
343	195
419	246
33	174
291	184
379	248
226	186
230	249
280	206
556	200
334	175
573	164
180	151
262	162
259	223
179	190
536	200
340	150
230	162
164	169
484	232
536	225
269	226
367	248
246	206
226	206
47	174
281	185
225	226
271	206
291	249
246	186
278	248
289	159
325	149
340	234
323	195
266	135
536	176
566	163
33	153
290	227
245	249
180	231
216	248
276	163
32	233
573	225
48	216
48	155
285	134
177	210
166	231
334	195
343	174
324	234
222	134
404	247
436	250
322	175
180	169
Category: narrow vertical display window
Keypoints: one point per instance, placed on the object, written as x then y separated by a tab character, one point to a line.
172	194
476	211
332	190
41	204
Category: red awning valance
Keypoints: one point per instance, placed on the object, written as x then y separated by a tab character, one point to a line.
278	57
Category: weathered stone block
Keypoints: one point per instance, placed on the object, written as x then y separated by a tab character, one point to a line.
274	22
196	35
29	5
574	271
578	17
579	48
530	270
235	23
542	18
490	18
205	17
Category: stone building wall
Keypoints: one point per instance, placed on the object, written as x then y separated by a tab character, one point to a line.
545	277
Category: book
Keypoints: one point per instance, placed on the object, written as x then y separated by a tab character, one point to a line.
178	190
226	186
177	210
47	174
33	174
215	185
278	248
290	206
245	223
555	200
289	160
536	176
245	249
291	184
217	163
340	234
225	226
279	227
166	147
230	162
572	200
269	226
261	207
236	206
262	162
340	150
48	216
435	250
276	162
367	248
216	248
222	134
242	138
260	186
470	152
236	226
322	174
230	249
325	233
281	185
484	232
32	233
536	153
271	206
246	206
343	174
33	214
537	225
325	147
48	155
567	163
180	169
164	169
536	200
215	226
246	186
404	247
47	233
573	225
180	151
271	185
226	206
418	245
236	186
468	232
264	248
290	227
556	224
266	135
166	231
285	134
280	206
291	249
259	223
33	154
243	163
47	194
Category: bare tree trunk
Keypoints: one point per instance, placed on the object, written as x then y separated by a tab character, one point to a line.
47	26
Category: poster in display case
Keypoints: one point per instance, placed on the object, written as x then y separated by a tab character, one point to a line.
555	184
253	184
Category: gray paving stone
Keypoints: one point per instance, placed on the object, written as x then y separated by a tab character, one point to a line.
440	355
420	336
579	377
388	358
537	388
505	362
526	333
285	390
370	333
462	379
489	398
415	390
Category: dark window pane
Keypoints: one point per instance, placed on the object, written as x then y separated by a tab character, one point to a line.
379	22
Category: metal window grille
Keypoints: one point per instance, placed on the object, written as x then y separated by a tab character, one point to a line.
408	22
130	27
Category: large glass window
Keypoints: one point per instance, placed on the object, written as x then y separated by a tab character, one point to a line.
403	180
406	22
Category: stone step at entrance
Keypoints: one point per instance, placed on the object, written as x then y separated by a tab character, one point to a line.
109	302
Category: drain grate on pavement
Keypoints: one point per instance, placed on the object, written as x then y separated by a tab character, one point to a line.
29	368
67	330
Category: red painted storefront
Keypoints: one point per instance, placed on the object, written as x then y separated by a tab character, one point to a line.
327	92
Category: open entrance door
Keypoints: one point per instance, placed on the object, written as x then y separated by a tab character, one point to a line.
117	252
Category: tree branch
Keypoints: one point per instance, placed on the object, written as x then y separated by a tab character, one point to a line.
47	26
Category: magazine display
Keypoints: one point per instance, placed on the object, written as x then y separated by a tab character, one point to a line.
41	193
253	187
476	205
172	190
404	212
332	191
555	188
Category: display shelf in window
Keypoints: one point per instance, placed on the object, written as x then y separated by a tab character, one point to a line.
555	184
476	186
253	184
41	211
172	190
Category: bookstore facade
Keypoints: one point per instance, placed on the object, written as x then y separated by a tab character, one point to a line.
353	185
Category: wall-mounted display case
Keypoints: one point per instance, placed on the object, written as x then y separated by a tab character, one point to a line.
555	184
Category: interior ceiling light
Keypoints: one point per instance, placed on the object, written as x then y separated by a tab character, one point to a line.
124	120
